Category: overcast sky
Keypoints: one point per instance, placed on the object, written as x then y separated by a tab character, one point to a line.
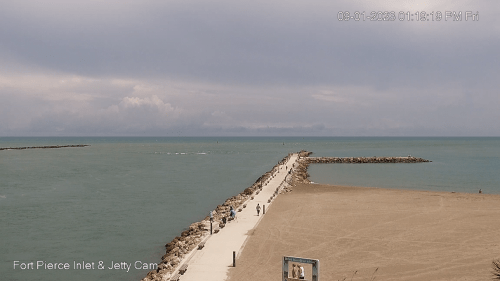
217	68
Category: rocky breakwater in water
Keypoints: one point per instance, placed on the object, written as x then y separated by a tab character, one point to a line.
300	174
47	146
178	250
360	160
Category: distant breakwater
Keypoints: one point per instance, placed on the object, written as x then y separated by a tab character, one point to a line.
361	160
300	174
47	146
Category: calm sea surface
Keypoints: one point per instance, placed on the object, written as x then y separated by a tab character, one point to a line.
121	199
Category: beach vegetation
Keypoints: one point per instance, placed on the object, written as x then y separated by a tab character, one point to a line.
373	274
372	278
496	269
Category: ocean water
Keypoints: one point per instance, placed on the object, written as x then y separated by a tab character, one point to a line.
458	164
121	199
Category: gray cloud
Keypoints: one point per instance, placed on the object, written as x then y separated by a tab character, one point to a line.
246	68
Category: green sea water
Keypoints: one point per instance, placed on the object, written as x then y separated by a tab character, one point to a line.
458	164
121	199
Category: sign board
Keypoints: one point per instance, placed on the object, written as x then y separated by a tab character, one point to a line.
314	263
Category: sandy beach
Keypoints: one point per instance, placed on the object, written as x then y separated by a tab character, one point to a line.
356	233
360	233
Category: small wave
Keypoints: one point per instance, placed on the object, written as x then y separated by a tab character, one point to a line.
182	153
3	196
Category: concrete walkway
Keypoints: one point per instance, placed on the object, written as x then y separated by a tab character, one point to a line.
215	259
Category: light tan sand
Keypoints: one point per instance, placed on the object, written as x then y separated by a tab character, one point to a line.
407	235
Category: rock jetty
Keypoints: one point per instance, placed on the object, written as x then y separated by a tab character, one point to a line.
360	160
300	174
178	250
48	146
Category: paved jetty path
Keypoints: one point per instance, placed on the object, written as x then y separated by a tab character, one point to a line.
214	260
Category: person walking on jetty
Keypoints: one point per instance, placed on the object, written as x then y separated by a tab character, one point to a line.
233	213
258	209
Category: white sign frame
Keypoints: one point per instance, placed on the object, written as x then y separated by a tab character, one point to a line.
313	262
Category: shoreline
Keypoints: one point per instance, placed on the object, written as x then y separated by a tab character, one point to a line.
183	248
370	232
